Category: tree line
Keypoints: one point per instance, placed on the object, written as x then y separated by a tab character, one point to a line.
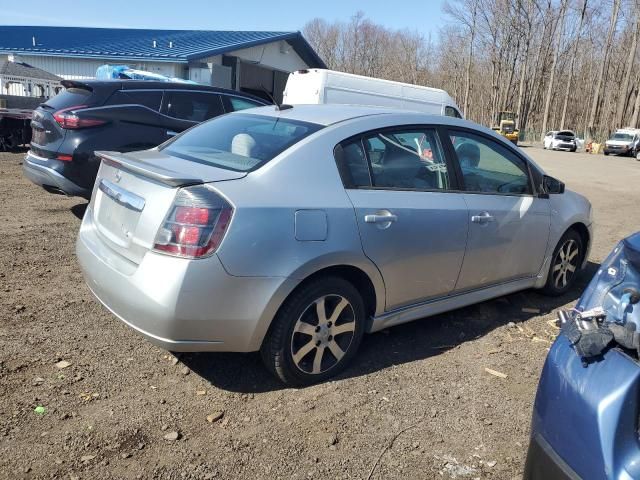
558	64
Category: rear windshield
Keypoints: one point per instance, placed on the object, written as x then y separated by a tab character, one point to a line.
70	97
239	142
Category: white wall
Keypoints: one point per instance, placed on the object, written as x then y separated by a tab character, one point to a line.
79	68
272	55
278	55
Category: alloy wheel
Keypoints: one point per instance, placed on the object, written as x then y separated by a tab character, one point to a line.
323	334
566	263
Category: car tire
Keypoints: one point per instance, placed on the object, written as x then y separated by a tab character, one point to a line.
302	346
565	264
606	153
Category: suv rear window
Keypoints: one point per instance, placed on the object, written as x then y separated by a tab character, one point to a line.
70	97
239	142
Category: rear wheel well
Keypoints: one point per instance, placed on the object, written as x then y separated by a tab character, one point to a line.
359	279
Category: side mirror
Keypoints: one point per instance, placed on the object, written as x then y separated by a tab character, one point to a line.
552	185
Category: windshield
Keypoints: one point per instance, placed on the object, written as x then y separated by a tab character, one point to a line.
239	142
625	137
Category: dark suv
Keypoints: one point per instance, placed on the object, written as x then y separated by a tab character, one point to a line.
120	115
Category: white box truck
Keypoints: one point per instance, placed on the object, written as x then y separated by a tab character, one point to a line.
320	86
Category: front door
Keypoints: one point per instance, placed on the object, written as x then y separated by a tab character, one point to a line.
411	226
508	224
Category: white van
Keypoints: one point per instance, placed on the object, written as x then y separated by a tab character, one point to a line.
319	86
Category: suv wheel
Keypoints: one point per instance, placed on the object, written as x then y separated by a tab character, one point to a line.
565	264
316	332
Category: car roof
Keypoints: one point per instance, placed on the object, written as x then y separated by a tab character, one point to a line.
126	84
329	114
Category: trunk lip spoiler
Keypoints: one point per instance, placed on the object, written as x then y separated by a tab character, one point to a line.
154	172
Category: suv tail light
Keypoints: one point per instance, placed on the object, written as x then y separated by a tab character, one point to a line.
196	224
71	121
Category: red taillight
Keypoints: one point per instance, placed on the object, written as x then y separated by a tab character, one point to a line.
193	215
195	225
71	121
64	158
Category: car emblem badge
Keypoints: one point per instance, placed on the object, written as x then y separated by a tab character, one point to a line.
118	176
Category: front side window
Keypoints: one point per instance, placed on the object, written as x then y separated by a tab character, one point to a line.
193	106
239	142
488	166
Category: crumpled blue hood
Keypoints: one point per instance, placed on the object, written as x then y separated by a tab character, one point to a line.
619	271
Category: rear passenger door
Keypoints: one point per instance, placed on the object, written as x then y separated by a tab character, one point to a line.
136	120
411	226
508	222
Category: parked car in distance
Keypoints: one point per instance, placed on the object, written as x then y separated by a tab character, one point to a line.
560	140
585	416
625	141
121	115
320	86
296	231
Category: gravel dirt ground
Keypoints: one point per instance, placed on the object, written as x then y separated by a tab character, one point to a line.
417	402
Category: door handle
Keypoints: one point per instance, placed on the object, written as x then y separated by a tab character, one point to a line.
484	217
376	218
171	133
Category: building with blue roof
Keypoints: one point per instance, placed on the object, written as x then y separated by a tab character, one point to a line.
243	60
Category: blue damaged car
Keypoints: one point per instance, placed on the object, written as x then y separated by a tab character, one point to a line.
585	417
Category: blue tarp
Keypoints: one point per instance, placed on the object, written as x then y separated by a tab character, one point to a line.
109	72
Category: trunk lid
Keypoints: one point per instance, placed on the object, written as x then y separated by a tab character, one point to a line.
135	191
48	135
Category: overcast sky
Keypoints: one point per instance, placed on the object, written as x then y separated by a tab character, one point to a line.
421	15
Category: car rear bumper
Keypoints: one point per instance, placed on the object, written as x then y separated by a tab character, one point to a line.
39	171
180	304
585	419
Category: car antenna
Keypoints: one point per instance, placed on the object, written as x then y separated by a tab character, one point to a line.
279	106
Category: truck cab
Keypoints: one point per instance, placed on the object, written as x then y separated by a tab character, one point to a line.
625	141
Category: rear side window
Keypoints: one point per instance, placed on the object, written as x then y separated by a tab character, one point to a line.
410	159
239	142
352	164
407	159
72	97
193	106
235	104
147	98
452	112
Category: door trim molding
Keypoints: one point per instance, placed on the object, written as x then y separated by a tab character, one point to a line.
451	302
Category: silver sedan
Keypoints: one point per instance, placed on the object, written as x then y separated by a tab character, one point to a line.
296	231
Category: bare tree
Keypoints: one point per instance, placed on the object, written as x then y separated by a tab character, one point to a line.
603	66
556	63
